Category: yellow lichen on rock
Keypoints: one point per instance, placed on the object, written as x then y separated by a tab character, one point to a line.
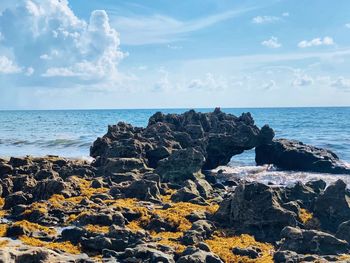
63	246
97	229
134	226
42	207
85	187
170	239
132	204
2	202
176	215
305	215
3	230
166	198
222	246
3	243
33	227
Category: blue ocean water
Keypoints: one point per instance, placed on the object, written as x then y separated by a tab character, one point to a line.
70	133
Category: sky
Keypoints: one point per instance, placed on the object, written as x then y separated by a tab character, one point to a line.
99	54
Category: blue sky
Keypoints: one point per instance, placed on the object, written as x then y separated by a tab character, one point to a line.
161	53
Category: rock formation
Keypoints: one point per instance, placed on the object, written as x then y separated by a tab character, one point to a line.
146	198
297	156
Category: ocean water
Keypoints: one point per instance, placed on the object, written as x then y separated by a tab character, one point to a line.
70	133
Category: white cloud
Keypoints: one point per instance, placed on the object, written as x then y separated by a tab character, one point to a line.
29	71
7	66
326	41
265	19
347	25
67	46
269	85
157	29
341	83
285	14
302	80
210	82
271	43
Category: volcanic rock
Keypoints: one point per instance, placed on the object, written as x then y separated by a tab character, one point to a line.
295	155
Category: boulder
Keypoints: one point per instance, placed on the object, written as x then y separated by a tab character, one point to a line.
317	185
186	193
200	230
196	255
123	165
18	198
255	209
143	190
5	169
144	253
181	165
46	188
18	162
333	206
249	252
295	155
104	219
312	242
343	231
303	193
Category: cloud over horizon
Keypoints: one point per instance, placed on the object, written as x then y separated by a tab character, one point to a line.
46	40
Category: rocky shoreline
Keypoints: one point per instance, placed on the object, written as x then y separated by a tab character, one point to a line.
149	196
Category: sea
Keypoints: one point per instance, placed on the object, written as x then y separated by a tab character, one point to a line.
70	133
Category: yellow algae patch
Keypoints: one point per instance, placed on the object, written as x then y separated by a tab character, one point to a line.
57	200
134	226
169	239
176	215
42	207
3	243
86	191
85	187
304	215
33	227
2	202
97	229
166	198
222	246
132	204
64	246
344	257
3	230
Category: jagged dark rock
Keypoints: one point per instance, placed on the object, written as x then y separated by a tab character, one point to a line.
295	155
312	242
217	135
256	209
333	206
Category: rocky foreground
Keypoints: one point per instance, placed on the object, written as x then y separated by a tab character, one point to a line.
148	197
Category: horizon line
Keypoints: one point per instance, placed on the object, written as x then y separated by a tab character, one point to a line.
178	108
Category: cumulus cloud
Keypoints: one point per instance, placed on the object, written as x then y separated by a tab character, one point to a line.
271	43
265	19
46	37
302	80
341	83
326	41
7	66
